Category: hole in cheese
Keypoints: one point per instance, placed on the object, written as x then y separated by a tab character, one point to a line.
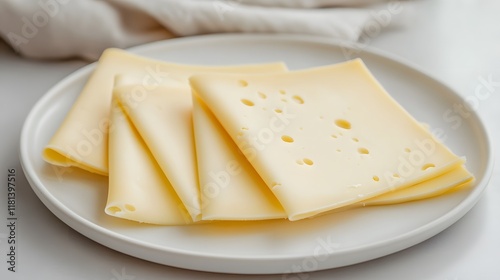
129	207
298	99
407	150
262	95
279	111
343	124
355	139
334	136
114	209
282	91
287	138
243	83
275	185
395	175
284	100
308	161
363	151
376	178
247	102
428	165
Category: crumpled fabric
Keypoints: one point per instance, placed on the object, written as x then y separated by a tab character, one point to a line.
55	29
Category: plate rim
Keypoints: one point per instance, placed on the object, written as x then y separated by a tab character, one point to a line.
75	221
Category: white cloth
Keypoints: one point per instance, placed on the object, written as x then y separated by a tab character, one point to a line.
84	28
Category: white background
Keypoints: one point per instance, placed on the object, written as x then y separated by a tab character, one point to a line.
455	41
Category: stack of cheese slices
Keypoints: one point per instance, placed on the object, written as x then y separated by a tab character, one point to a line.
183	144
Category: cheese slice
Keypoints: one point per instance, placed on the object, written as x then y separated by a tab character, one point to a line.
323	138
229	183
230	188
138	189
455	180
163	117
82	138
429	188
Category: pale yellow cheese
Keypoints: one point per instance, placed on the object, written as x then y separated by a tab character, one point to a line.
163	117
82	138
138	189
429	188
323	138
228	182
230	188
457	179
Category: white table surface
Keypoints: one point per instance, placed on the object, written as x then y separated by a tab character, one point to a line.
456	41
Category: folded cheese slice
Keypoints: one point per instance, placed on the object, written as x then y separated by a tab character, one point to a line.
323	138
163	120
229	186
82	138
163	117
138	189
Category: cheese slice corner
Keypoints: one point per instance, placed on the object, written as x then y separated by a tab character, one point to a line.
451	180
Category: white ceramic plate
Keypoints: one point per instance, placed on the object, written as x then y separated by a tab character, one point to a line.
78	198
